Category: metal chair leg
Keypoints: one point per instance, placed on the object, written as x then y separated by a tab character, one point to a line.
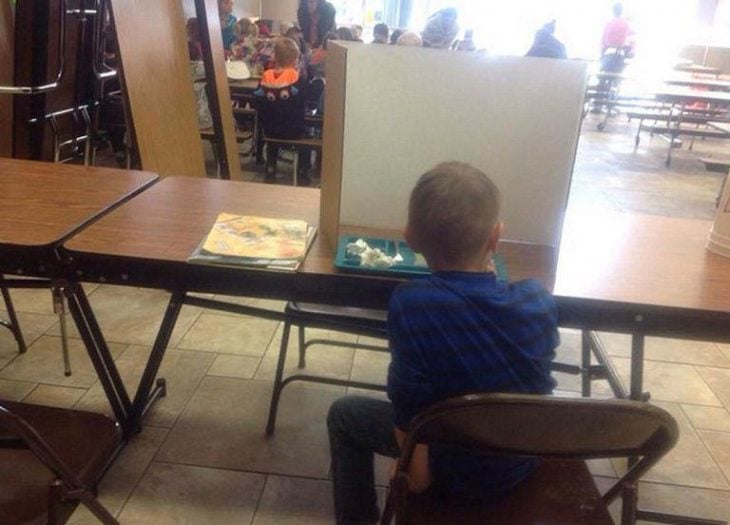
302	347
276	394
59	308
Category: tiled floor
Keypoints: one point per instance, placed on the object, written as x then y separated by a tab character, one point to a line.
203	456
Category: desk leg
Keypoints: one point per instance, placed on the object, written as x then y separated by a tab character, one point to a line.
100	355
12	322
636	391
145	395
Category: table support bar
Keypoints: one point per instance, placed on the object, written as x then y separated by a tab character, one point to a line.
100	355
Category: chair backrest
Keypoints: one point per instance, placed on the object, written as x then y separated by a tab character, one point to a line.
547	426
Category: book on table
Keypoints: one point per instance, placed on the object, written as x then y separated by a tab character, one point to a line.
255	242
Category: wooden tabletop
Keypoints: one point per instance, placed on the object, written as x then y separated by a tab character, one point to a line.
689	96
166	223
711	84
644	260
696	68
248	85
613	269
42	204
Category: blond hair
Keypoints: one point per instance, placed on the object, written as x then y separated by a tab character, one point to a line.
245	28
452	213
286	52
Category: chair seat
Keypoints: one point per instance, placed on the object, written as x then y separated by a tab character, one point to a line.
558	493
84	441
359	320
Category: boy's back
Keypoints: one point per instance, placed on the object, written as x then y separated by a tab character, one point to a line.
458	332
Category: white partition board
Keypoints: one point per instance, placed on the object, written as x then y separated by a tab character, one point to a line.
407	109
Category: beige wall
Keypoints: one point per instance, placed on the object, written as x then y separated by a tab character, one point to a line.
284	10
241	8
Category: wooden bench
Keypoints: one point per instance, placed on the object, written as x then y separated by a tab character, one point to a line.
677	130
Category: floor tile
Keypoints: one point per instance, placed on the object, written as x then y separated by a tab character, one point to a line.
15	390
370	367
686	501
181	494
708	418
182	371
295	501
669	350
43	363
55	396
242	335
38	300
238	366
719	445
133	315
124	474
719	381
31	325
689	463
667	382
223	426
321	360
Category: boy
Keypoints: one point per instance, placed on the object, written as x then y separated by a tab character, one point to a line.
280	103
456	331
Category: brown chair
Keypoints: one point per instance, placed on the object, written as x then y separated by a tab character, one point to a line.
50	460
563	431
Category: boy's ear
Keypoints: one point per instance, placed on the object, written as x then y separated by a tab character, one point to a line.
495	236
410	238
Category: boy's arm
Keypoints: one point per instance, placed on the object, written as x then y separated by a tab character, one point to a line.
409	389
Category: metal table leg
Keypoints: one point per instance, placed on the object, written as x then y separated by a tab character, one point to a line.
100	356
12	322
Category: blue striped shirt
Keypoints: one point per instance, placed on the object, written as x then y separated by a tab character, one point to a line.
453	333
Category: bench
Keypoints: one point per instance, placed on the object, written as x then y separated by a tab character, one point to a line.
674	131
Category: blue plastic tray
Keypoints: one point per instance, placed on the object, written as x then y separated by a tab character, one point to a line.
412	265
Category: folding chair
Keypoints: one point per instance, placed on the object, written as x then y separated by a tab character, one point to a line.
357	321
50	460
563	431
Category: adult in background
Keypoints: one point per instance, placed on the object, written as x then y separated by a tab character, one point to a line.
546	45
441	28
317	19
228	23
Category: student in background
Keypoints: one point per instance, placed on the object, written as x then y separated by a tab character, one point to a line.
357	32
197	73
317	19
228	21
546	45
345	34
409	39
441	29
467	43
456	331
380	34
280	103
395	35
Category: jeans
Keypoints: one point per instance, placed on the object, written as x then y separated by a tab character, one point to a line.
358	427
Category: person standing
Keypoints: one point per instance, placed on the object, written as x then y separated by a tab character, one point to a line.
617	31
228	23
317	20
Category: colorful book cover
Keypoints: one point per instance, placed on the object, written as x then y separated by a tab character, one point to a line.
242	240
